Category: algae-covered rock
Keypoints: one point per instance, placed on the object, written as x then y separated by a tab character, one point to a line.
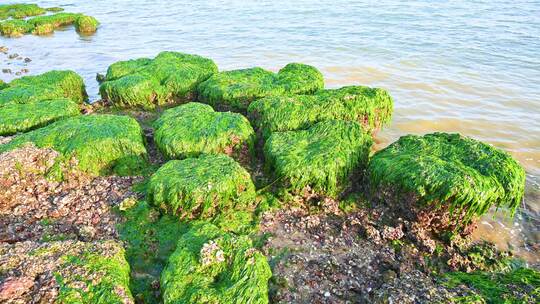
147	83
17	117
3	85
64	272
322	157
201	187
235	90
49	85
371	107
459	174
101	143
210	266
20	11
15	28
194	128
86	24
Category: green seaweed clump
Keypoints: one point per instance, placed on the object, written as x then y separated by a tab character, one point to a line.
147	83
211	266
50	85
371	107
449	170
235	90
100	143
521	285
15	28
194	128
86	24
17	117
322	157
3	85
20	11
202	187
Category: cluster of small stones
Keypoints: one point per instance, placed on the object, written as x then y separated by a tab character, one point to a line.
372	254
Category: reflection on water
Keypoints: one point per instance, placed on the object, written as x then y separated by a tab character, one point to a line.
459	66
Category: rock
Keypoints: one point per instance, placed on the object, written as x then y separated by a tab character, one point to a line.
322	157
194	128
215	267
6	71
147	83
370	107
26	59
445	180
235	90
86	24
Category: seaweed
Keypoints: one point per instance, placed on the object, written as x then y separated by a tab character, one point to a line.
15	28
147	83
50	85
521	285
17	117
322	157
101	144
194	128
235	90
450	170
86	24
42	25
20	11
371	107
211	266
201	188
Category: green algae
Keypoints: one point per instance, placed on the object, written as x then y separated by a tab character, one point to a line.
20	11
147	83
86	24
150	239
211	266
195	128
15	28
521	285
371	107
201	187
101	144
442	168
235	90
322	157
111	287
16	117
50	85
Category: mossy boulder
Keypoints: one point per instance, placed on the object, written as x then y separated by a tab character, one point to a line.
202	187
323	157
194	128
446	172
86	24
101	144
371	107
15	28
17	117
20	11
49	85
147	83
210	266
42	25
64	272
235	90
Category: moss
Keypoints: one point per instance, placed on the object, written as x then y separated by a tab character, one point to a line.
235	90
50	85
56	20
194	128
54	9
3	85
521	285
210	266
371	107
86	24
201	187
24	117
15	28
151	238
448	169
20	11
322	157
101	143
112	285
145	83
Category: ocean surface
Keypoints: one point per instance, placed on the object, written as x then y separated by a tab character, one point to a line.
471	67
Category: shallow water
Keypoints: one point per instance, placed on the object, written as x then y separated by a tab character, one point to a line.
463	66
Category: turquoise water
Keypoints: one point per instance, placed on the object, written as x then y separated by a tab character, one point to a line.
461	66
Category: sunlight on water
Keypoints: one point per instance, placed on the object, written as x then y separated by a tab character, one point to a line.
453	66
